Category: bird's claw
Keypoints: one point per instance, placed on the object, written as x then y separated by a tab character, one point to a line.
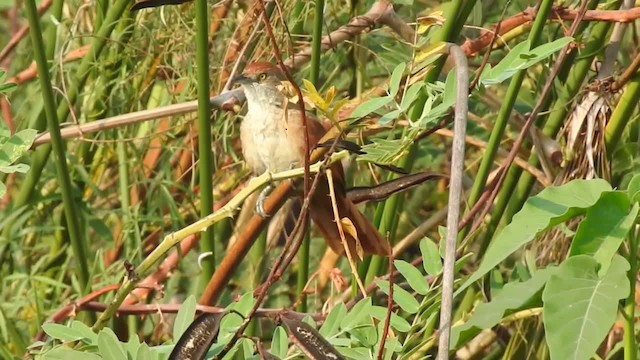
260	201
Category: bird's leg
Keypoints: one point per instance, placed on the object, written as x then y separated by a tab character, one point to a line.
260	201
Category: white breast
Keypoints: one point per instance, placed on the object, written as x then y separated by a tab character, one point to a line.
270	149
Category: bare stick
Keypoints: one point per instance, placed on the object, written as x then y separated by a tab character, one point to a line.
455	192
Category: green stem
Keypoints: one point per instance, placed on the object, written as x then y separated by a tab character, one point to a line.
457	14
316	42
316	51
629	337
205	162
622	114
505	110
559	110
41	155
64	179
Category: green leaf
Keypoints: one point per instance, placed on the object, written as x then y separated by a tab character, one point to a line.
331	324
7	87
545	50
64	353
410	95
383	151
109	346
507	66
633	189
400	296
431	260
604	227
366	335
358	313
512	297
132	346
279	343
580	307
389	117
145	353
413	276
370	106
550	207
62	332
396	77
10	169
184	318
397	322
86	331
17	145
358	353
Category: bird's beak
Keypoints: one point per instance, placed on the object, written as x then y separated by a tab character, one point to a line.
239	80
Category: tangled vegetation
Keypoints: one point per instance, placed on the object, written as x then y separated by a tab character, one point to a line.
127	217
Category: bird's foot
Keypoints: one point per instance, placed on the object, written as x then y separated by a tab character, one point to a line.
260	201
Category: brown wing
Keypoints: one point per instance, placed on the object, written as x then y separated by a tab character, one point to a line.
321	208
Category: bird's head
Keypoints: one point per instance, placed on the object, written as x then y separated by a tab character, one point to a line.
260	73
261	82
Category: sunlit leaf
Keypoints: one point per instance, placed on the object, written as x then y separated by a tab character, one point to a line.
580	307
370	106
550	207
184	317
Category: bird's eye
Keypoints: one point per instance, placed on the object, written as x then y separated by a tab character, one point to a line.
262	76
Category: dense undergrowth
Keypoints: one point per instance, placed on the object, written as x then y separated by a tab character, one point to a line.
107	248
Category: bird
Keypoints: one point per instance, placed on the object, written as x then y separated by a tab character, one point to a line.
272	139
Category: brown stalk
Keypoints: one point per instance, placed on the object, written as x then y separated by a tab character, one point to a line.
471	47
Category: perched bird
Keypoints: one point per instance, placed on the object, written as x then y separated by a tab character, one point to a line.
273	139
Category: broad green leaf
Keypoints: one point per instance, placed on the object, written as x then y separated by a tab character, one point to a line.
62	332
184	318
279	343
64	353
413	276
580	307
401	296
512	297
359	312
331	324
109	346
550	207
431	260
3	189
370	106
396	77
604	227
397	322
